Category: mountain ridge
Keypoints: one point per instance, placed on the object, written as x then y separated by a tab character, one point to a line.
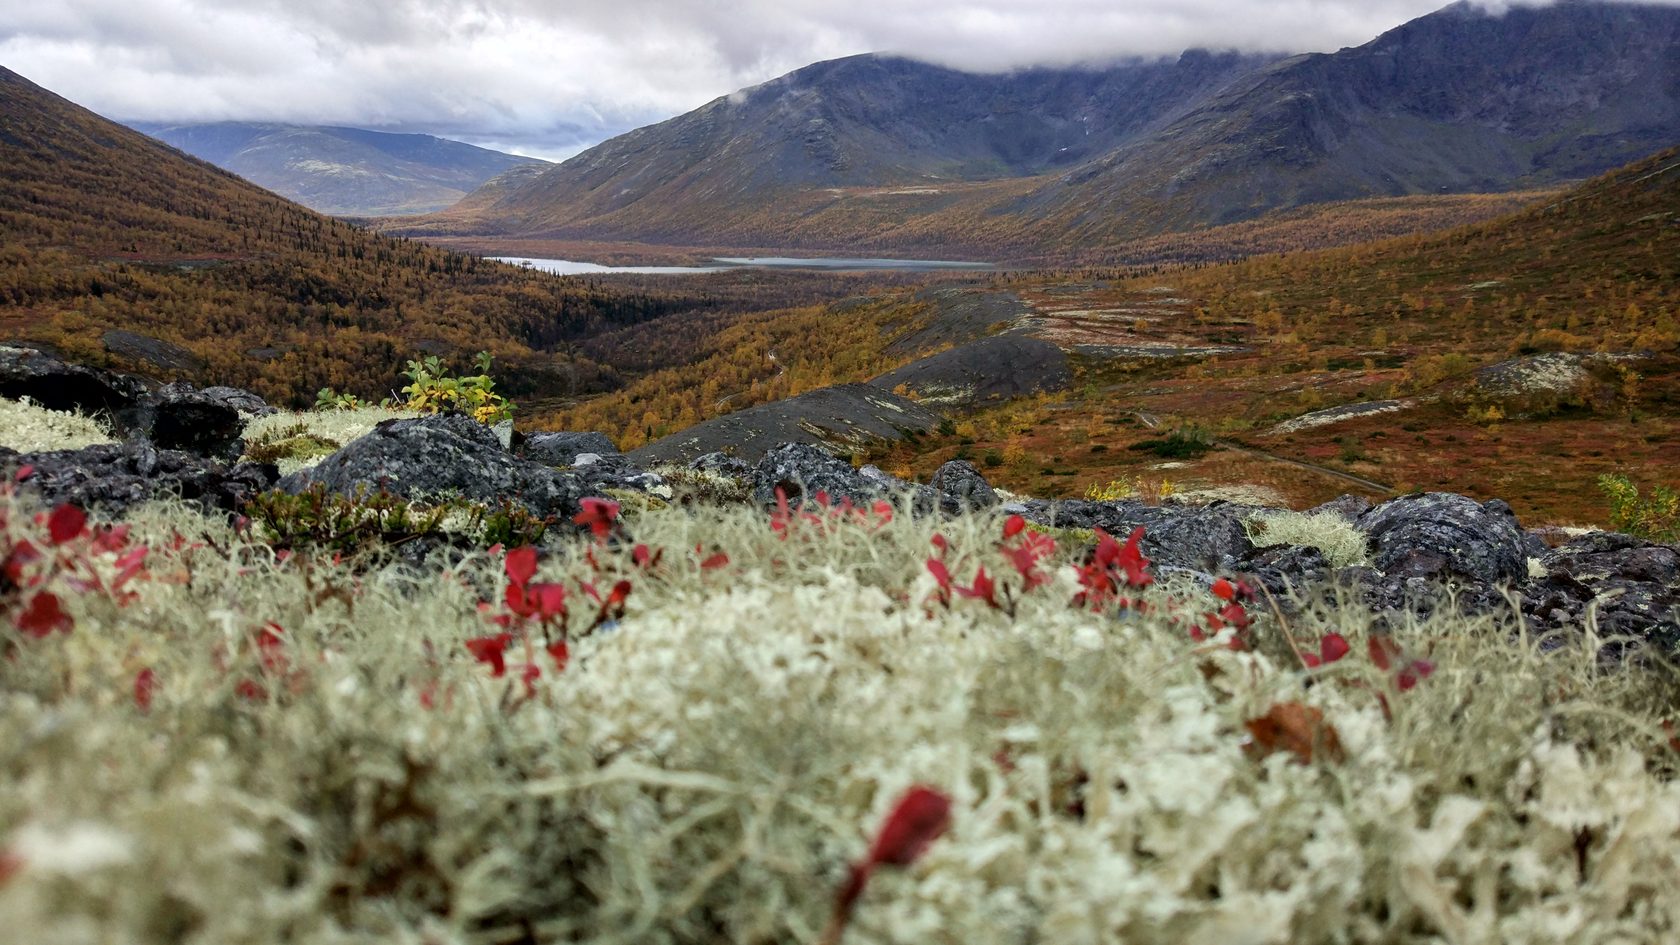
1458	101
342	170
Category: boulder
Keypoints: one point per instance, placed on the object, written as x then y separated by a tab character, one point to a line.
984	372
1209	538
48	381
722	464
113	477
801	470
241	400
446	454
562	449
846	418
1347	506
1445	537
180	417
961	486
1630	587
613	471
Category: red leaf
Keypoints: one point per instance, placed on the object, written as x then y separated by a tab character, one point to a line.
66	523
561	654
1013	526
1223	590
489	650
941	574
983	588
550	600
920	817
598	514
1333	647
44	614
24	472
145	682
719	560
521	565
941	544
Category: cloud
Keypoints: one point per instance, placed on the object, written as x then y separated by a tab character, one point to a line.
550	78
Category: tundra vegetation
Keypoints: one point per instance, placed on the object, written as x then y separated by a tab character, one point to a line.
717	722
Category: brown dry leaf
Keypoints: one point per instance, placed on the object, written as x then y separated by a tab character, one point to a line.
1293	727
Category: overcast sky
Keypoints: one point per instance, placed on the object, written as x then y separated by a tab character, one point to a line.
549	78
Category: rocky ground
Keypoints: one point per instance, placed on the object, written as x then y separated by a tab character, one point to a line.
1413	553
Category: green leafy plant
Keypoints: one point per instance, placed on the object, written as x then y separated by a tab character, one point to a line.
1183	443
328	399
293	441
433	389
1655	516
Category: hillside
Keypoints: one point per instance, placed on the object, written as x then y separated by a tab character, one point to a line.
1231	352
103	228
877	152
344	171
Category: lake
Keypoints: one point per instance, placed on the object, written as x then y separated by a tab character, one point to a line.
568	267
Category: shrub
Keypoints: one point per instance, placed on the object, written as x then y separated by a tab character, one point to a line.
1182	443
432	389
375	522
1655	516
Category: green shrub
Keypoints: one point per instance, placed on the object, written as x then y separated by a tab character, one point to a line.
291	442
371	523
1655	517
1182	443
432	389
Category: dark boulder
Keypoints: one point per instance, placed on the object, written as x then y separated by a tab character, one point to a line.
961	485
801	470
113	477
1287	570
50	382
1209	538
1627	586
1445	537
447	454
981	373
1349	507
613	471
563	449
179	417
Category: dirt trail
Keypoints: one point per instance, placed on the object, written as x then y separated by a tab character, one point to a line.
1153	422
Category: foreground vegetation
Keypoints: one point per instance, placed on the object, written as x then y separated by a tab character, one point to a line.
647	736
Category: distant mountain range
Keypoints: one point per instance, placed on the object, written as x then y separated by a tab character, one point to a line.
343	171
879	152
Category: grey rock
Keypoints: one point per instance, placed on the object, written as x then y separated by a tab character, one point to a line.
984	372
613	471
722	464
180	417
50	382
562	449
962	484
801	471
1628	586
1349	507
446	454
1446	537
113	477
1287	570
241	400
504	434
845	418
1203	537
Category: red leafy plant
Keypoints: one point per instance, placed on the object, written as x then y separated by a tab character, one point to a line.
65	554
921	816
786	521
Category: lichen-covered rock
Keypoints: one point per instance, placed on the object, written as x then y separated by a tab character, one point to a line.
1208	538
722	464
241	400
113	477
563	448
963	486
1287	570
447	454
1628	586
1443	537
1349	507
180	417
801	471
55	385
613	471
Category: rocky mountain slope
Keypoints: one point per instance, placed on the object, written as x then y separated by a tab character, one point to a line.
876	151
343	171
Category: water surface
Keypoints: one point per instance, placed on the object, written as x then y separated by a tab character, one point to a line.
569	267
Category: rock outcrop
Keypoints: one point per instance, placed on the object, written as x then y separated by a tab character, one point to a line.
115	477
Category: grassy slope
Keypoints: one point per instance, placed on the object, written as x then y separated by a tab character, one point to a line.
1596	269
103	227
703	770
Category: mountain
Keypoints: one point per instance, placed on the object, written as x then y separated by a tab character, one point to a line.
104	231
880	152
343	171
863	121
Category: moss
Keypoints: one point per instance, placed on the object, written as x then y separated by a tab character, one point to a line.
1342	544
29	428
